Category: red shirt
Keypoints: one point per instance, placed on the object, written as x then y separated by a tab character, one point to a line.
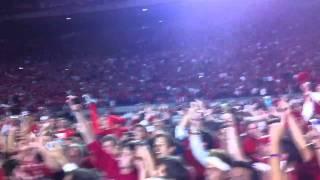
199	169
108	164
309	170
251	146
2	174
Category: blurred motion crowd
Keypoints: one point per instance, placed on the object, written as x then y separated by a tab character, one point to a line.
50	95
264	138
213	67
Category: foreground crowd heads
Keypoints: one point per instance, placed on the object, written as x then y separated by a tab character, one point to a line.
241	140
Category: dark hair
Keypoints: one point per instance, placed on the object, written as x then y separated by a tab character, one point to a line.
169	139
247	165
293	153
39	158
9	165
128	144
109	138
260	105
207	138
223	156
140	126
174	168
84	174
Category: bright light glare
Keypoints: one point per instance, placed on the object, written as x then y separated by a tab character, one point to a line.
145	10
68	18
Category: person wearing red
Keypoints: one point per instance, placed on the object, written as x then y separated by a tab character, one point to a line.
112	167
114	123
63	130
250	141
120	168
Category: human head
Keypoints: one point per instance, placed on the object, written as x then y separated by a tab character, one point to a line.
126	155
158	123
243	170
164	145
74	153
82	174
140	132
171	168
252	130
62	123
109	144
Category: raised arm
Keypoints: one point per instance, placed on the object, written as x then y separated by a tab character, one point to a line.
233	143
86	129
197	148
94	117
102	160
10	144
298	138
181	128
276	130
314	137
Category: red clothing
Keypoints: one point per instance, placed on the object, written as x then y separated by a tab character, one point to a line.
108	164
191	161
65	133
35	128
35	170
94	118
309	170
251	146
87	163
118	132
111	120
198	172
316	108
2	174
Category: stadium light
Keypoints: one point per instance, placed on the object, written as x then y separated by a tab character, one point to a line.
145	10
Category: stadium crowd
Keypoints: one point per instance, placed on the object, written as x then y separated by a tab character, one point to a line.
180	133
163	63
266	138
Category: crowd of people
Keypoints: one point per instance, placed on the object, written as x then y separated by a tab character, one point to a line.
52	90
163	63
265	138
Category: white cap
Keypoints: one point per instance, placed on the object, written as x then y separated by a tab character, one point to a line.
69	167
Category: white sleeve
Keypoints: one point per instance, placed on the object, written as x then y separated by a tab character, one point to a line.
180	133
5	129
255	118
315	96
307	110
197	149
